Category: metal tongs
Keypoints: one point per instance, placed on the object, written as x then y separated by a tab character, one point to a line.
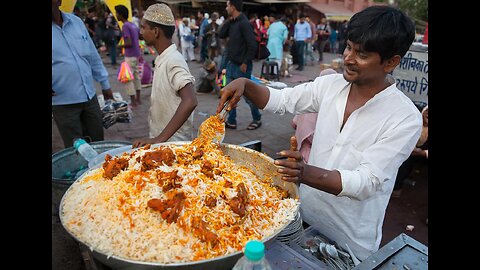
223	113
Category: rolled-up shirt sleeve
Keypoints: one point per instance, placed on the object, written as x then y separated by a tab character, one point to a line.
274	101
180	76
303	98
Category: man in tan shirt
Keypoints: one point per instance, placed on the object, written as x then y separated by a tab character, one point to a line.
173	99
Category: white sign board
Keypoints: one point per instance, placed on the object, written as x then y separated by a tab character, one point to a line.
411	76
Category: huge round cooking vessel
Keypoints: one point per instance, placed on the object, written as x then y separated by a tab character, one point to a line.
259	163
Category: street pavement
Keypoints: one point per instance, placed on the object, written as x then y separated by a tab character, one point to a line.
274	135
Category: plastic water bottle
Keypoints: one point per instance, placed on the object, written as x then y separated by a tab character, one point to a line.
85	149
254	257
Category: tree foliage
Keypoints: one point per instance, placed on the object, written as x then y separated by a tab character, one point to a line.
417	9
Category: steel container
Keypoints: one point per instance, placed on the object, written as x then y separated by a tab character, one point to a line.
68	160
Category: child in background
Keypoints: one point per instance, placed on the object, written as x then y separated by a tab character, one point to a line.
173	99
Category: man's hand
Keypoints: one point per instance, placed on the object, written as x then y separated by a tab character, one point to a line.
419	152
233	92
293	166
53	93
143	142
243	68
107	94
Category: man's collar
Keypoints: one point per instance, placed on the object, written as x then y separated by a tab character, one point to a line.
238	17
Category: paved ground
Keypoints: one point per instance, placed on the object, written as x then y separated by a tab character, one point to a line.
410	209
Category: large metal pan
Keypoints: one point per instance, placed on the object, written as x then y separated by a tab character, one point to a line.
260	163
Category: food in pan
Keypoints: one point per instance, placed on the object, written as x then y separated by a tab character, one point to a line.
174	203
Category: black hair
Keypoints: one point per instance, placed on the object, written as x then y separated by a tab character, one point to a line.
301	15
382	29
122	10
168	30
238	4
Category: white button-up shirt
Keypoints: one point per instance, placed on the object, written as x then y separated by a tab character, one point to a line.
171	74
367	152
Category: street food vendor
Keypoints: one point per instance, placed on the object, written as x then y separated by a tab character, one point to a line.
366	128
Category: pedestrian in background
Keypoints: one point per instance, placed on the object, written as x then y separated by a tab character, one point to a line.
172	99
186	40
112	36
130	33
212	39
342	36
277	36
309	45
203	22
323	32
75	64
242	47
90	23
302	35
135	18
333	41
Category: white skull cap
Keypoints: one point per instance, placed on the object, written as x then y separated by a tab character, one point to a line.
159	13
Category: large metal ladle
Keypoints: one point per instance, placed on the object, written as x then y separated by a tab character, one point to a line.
219	136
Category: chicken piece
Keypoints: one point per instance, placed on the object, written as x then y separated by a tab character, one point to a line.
207	168
238	203
228	184
169	180
157	204
171	207
197	154
113	166
237	206
201	231
210	201
242	192
151	160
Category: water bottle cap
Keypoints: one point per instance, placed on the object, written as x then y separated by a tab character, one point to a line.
78	142
254	250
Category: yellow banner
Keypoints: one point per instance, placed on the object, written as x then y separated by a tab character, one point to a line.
67	5
111	5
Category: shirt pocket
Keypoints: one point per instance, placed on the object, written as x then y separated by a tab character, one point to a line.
352	158
81	45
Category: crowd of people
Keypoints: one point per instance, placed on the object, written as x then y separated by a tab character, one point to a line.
292	40
362	130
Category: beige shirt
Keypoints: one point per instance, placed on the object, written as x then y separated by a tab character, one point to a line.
170	75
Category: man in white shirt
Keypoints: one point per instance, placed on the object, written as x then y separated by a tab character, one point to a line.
173	99
365	129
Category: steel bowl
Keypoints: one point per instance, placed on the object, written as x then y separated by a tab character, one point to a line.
259	163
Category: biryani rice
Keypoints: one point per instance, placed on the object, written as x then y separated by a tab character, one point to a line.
112	216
